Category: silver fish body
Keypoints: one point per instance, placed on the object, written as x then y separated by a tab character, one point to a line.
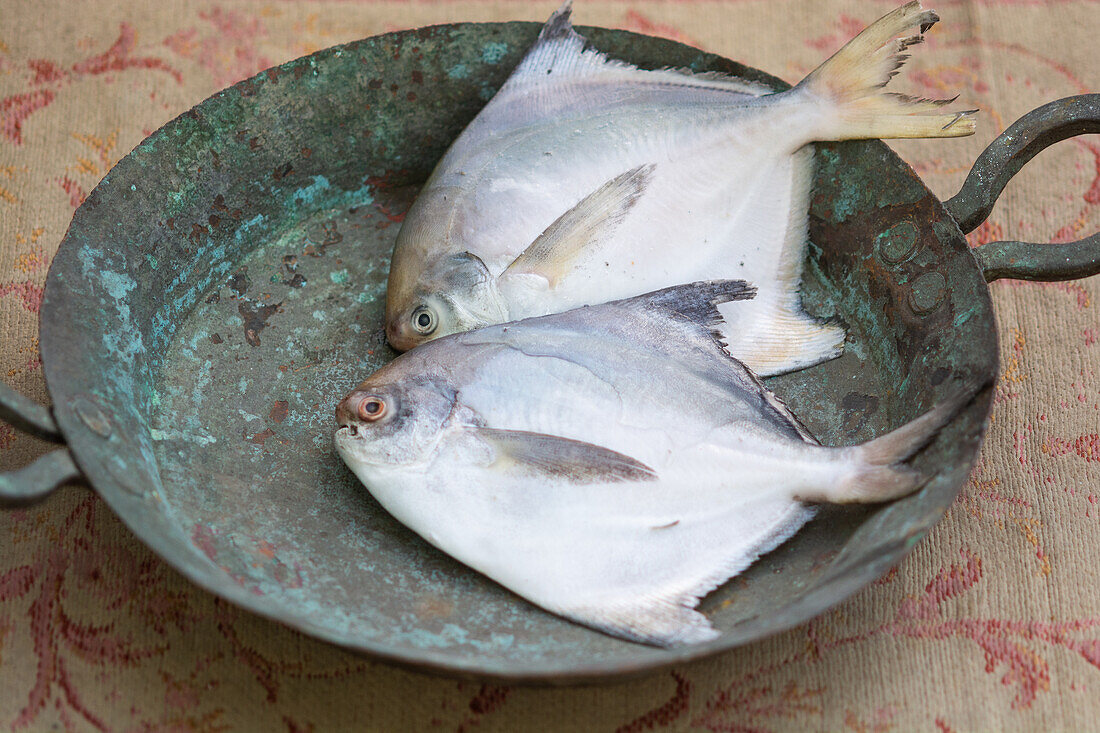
611	464
586	180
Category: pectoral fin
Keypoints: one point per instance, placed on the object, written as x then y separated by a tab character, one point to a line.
559	458
586	226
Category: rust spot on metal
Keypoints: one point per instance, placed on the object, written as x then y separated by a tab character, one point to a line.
433	606
330	235
216	338
858	409
392	217
198	233
279	411
203	538
239	281
255	319
389	179
261	437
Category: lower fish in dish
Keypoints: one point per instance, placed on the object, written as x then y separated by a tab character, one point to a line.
612	464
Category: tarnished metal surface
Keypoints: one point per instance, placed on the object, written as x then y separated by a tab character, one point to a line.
34	482
1023	140
223	287
27	415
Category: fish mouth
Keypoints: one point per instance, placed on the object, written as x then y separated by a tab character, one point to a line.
400	339
347	443
347	432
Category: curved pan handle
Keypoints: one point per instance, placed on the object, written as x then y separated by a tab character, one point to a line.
34	482
1004	158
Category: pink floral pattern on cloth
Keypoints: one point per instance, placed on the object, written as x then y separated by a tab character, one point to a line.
993	622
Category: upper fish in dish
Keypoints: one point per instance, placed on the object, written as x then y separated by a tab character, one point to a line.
586	179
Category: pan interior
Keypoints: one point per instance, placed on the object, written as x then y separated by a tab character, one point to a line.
276	208
243	435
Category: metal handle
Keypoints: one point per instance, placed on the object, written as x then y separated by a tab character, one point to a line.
1004	158
34	482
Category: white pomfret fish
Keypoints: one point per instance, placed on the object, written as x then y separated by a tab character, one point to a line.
611	464
586	179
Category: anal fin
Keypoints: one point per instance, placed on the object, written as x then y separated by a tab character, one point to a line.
772	334
662	610
770	338
664	623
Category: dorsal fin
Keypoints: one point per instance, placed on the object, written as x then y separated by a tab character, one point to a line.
559	26
561	52
698	303
695	305
695	302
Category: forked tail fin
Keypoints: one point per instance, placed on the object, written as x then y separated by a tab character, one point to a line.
880	473
852	79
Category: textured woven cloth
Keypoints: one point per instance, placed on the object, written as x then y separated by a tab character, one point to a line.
992	623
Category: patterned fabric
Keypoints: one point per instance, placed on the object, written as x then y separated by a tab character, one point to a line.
993	622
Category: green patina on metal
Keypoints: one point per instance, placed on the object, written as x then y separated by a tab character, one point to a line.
224	286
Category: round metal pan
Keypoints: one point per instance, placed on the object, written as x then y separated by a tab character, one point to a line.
223	287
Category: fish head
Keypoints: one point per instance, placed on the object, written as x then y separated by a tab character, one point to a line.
453	294
387	424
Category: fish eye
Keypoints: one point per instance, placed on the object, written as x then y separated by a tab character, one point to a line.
424	320
372	408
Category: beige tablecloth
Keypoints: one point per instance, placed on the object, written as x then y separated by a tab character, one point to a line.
993	622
